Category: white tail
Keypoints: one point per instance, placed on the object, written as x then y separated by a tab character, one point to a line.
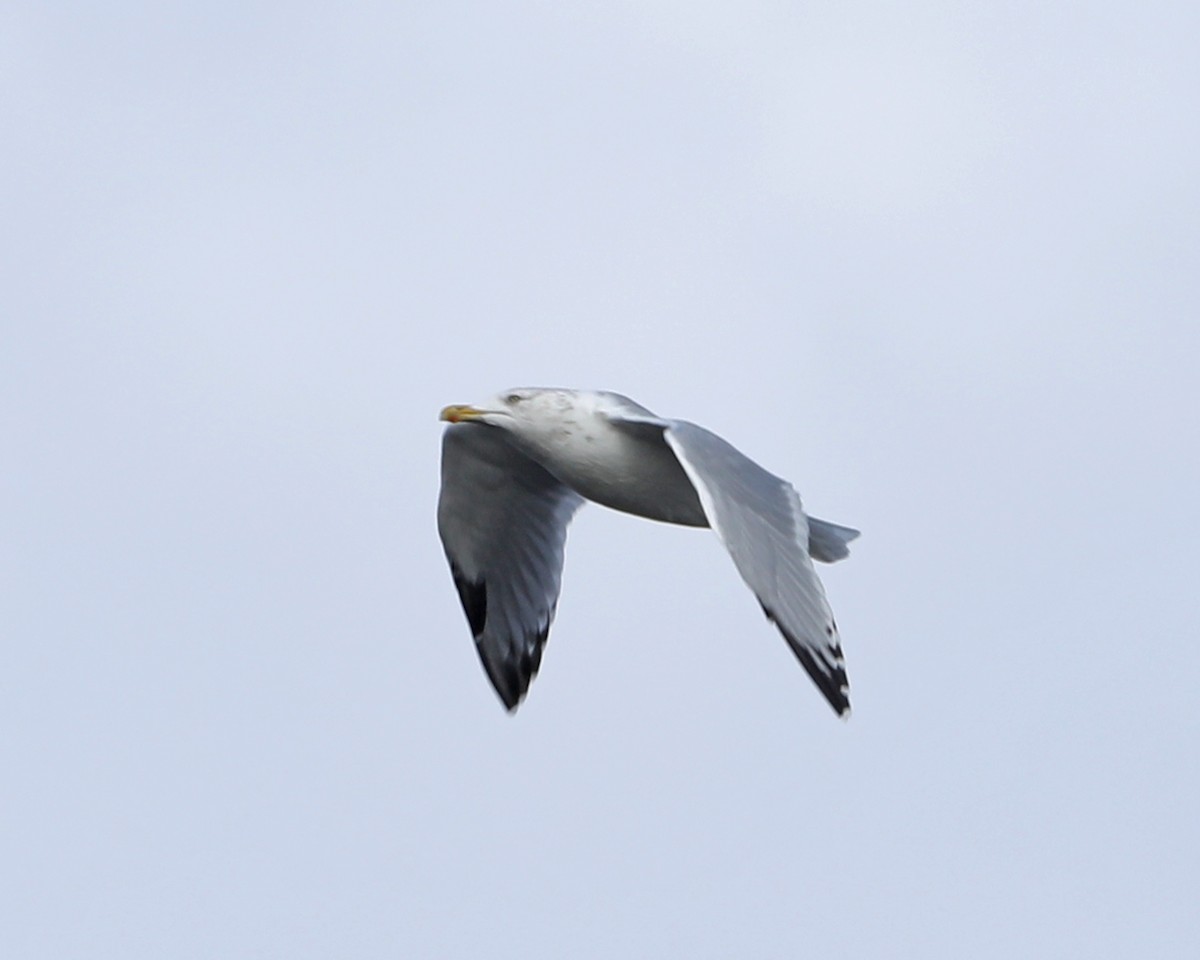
827	541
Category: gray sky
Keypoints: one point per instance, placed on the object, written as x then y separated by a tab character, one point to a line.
935	263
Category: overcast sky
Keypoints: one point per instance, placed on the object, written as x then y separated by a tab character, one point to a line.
936	263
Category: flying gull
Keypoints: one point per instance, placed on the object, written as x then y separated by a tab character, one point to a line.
517	467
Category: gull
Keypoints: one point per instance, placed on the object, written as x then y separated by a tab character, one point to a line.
516	468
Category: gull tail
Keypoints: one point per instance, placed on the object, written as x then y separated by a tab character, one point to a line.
827	541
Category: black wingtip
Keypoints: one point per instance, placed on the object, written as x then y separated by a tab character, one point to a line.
512	675
473	596
830	679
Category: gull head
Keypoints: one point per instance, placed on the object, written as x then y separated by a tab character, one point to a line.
555	424
530	412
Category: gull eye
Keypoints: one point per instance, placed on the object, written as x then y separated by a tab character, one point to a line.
513	398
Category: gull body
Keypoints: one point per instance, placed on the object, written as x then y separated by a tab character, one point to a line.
517	466
573	436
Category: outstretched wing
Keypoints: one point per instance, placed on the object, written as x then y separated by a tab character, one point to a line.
759	519
503	521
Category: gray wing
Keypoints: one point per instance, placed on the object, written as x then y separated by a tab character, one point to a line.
759	519
503	522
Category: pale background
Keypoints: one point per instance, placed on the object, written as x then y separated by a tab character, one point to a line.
937	263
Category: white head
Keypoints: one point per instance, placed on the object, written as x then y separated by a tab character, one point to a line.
532	413
546	413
